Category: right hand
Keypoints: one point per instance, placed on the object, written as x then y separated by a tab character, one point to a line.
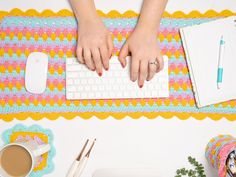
95	45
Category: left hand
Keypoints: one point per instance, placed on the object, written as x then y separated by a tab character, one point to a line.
144	48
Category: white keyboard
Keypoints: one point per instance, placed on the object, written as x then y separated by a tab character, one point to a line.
115	83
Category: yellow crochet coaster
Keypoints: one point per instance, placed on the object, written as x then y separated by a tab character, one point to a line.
39	135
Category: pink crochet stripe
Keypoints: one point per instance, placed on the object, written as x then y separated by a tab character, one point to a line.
65	31
179	82
31	48
17	30
223	154
214	147
23	97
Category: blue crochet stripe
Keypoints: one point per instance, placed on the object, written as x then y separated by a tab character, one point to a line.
65	42
113	108
116	22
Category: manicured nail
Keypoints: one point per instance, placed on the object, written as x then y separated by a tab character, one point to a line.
93	69
106	69
141	86
110	56
100	74
123	65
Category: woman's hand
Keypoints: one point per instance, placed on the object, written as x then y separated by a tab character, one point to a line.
95	45
144	49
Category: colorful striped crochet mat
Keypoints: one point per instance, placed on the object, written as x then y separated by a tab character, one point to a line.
56	34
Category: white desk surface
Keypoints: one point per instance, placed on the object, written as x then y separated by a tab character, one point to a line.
160	143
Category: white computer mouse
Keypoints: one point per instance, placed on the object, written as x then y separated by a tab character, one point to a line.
36	72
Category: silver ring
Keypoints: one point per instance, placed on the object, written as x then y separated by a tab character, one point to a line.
154	63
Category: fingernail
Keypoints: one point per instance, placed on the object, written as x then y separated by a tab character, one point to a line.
123	65
106	69
93	69
110	56
100	74
141	86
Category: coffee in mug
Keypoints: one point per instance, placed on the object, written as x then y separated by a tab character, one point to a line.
19	159
16	161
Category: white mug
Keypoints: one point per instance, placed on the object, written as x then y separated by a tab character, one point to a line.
34	149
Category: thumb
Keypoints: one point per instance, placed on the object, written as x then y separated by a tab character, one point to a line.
123	54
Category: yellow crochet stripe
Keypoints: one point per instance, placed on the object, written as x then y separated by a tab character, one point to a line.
118	116
117	103
116	14
70	37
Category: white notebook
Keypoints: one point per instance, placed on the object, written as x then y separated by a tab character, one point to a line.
201	45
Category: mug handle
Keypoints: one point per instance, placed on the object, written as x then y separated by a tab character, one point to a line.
42	149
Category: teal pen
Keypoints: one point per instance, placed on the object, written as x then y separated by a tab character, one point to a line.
220	63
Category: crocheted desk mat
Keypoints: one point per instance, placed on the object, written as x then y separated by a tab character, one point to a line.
20	132
56	34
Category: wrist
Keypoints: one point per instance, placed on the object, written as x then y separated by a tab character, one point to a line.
88	19
147	30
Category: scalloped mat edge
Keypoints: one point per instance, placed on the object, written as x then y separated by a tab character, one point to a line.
116	14
118	116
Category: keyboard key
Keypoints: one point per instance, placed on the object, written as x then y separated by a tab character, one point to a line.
90	81
97	81
70	95
72	75
94	88
98	95
83	81
84	95
81	74
90	94
71	89
80	88
70	82
70	61
77	81
77	95
73	68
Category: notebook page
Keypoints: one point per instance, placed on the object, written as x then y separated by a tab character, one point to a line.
202	45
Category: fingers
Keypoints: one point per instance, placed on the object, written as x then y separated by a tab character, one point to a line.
110	45
123	54
97	60
105	57
88	59
134	68
160	62
152	69
143	69
79	53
